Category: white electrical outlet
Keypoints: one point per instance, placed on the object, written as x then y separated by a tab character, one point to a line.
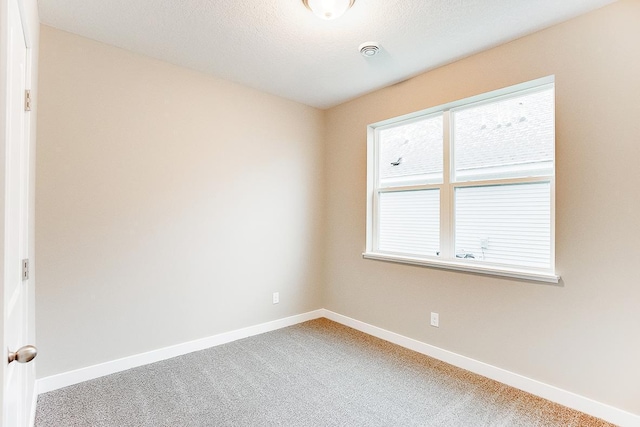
276	297
435	319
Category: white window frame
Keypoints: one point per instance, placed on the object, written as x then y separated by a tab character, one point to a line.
447	188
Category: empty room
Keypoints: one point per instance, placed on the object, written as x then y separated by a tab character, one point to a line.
320	213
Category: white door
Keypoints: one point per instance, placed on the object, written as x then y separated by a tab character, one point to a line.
18	384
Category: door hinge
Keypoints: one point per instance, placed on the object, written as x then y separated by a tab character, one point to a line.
27	100
25	269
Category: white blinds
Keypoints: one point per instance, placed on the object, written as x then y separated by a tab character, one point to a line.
410	222
507	224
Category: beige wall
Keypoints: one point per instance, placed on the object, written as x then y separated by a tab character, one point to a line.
583	335
170	205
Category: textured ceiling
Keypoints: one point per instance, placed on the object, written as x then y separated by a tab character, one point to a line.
280	47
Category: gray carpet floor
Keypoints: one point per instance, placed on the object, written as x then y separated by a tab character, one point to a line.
317	373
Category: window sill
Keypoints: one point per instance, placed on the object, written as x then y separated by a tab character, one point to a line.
514	273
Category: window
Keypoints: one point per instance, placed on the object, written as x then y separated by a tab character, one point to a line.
468	185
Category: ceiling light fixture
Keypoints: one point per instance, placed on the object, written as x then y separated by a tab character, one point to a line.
328	9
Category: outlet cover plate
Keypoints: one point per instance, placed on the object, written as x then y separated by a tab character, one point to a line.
435	319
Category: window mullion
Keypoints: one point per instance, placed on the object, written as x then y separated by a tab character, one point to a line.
409	188
372	190
446	199
504	181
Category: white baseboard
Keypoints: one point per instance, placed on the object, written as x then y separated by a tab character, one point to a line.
554	394
54	382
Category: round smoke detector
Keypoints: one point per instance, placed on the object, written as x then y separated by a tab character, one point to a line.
369	49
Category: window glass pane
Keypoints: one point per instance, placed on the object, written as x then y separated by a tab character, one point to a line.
509	138
411	153
410	222
507	224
